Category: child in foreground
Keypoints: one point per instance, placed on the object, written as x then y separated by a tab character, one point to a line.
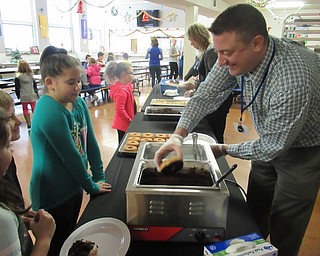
64	145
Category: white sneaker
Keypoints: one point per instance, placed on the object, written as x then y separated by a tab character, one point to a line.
94	98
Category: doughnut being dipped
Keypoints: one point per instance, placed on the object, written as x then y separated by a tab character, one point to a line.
171	165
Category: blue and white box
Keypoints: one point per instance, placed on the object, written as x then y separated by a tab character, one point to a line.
251	244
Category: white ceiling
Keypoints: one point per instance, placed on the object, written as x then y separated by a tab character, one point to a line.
211	8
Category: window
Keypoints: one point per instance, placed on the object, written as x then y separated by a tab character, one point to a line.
59	20
18	31
60	37
96	18
18	36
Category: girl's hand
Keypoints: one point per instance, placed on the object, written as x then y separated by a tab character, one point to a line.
104	187
27	217
42	226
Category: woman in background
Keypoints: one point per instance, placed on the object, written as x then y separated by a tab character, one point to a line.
173	59
199	38
120	75
154	53
26	89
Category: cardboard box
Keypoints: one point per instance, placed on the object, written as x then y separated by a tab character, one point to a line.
247	245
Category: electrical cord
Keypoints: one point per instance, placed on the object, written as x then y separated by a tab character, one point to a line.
241	188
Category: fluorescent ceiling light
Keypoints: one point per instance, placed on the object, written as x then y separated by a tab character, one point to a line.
284	5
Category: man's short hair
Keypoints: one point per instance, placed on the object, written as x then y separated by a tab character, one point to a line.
243	19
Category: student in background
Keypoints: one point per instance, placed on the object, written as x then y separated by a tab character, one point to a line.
154	53
26	89
120	75
100	59
110	57
86	64
64	145
94	78
173	59
14	236
125	57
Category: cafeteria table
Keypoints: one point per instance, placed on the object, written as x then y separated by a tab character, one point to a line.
113	204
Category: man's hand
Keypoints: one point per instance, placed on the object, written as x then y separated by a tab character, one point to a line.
219	149
173	144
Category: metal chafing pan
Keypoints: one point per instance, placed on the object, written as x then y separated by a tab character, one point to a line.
190	198
149	149
163	112
193	174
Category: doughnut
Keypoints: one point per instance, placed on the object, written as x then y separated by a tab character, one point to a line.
160	135
169	136
132	143
171	165
134	138
147	135
146	139
159	140
130	148
134	134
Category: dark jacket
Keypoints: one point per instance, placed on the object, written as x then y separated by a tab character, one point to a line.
203	66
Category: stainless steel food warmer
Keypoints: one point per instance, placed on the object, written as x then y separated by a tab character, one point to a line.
188	206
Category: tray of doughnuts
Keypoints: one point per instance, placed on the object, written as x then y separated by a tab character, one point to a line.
132	141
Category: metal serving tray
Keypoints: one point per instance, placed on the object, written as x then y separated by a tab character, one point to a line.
122	149
149	150
163	112
168	102
193	174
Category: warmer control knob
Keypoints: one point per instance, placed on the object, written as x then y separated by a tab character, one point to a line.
200	236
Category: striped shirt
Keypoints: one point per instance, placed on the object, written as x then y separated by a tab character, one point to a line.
286	111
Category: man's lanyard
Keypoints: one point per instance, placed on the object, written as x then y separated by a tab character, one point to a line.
242	107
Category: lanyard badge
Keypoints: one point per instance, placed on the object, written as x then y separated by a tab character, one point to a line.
242	107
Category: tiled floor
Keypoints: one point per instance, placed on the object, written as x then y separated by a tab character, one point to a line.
102	114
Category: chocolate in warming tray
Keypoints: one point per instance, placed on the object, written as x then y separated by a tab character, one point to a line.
168	102
132	141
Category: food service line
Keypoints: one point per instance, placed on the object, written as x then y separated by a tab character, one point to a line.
239	221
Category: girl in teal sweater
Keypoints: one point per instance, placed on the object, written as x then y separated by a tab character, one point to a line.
64	145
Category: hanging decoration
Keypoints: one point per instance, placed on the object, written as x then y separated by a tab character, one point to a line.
260	3
43	25
163	31
84	28
114	11
172	16
80	7
80	3
127	17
